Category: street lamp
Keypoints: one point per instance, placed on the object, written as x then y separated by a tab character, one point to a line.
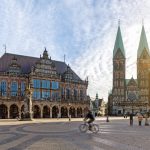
69	112
146	117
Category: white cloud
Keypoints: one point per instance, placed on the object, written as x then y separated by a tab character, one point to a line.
83	30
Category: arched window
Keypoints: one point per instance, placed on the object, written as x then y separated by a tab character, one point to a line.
3	88
14	88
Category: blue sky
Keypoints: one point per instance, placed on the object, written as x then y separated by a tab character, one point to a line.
84	31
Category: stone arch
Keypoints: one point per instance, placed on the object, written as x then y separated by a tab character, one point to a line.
79	112
22	108
72	112
55	112
36	111
3	111
14	111
46	112
64	112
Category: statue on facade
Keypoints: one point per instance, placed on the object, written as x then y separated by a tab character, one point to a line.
27	114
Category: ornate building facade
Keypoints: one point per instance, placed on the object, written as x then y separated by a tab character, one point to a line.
130	95
57	91
98	106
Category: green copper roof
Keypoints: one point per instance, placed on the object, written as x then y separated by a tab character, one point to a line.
143	43
118	43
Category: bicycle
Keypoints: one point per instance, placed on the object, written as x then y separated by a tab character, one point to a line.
85	127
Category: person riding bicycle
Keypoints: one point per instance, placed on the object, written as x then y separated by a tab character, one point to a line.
89	116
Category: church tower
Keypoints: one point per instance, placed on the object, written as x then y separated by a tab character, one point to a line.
118	91
143	65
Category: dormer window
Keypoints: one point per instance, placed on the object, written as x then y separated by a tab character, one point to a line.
14	67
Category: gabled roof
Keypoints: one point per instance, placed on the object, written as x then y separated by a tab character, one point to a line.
119	43
132	80
26	62
127	81
143	43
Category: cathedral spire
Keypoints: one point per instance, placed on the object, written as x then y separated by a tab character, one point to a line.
118	42
143	43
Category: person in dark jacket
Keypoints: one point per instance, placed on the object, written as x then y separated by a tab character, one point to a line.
89	116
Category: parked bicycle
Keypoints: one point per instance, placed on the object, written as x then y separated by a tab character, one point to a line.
85	127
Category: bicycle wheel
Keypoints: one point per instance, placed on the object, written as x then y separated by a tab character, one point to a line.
83	127
95	128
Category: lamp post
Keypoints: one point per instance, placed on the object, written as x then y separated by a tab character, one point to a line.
107	117
146	116
69	112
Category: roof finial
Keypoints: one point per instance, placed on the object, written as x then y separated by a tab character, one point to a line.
64	58
4	47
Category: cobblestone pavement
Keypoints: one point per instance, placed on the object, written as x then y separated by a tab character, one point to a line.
51	134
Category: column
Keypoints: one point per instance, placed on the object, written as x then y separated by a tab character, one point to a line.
59	111
30	106
75	112
50	112
8	113
41	112
19	112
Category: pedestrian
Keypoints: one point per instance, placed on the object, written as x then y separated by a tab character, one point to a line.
69	117
140	118
131	119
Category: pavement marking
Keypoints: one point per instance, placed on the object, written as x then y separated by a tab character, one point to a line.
14	142
53	144
115	144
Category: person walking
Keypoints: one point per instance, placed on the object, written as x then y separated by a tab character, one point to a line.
140	118
131	119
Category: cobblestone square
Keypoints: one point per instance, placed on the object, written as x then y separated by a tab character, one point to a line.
53	134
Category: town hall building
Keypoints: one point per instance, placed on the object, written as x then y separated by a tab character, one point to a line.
56	90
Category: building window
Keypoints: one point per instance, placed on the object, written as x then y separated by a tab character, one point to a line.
36	83
3	88
14	89
55	95
46	84
67	93
22	88
81	94
55	85
75	94
36	94
46	95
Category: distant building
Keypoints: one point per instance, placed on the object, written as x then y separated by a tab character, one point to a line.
98	106
130	95
56	89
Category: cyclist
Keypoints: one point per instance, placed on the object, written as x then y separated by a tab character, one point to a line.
89	116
